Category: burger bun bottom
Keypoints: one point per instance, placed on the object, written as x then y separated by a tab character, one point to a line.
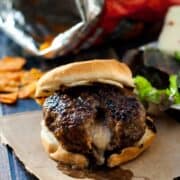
58	153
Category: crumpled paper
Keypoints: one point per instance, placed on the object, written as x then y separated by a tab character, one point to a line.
160	162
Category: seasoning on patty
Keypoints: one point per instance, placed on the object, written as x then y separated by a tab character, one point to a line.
90	114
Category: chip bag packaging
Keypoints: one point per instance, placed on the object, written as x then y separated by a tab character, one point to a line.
54	28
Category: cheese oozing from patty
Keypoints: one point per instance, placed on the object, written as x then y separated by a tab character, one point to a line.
101	137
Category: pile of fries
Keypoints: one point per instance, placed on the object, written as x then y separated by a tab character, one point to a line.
16	83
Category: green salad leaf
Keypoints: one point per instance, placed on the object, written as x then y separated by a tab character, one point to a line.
148	93
173	89
177	56
178	80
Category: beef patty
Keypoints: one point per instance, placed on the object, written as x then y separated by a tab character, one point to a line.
95	120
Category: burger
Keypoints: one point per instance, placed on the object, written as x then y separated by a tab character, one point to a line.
91	116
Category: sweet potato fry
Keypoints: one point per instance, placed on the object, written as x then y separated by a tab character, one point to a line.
27	91
8	86
44	45
11	83
11	76
32	75
16	83
35	73
47	42
12	63
8	89
8	98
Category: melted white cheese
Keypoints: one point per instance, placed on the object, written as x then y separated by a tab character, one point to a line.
101	137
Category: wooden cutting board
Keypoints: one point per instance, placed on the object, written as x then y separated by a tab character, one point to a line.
160	162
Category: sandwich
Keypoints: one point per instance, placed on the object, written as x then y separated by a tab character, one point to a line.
91	115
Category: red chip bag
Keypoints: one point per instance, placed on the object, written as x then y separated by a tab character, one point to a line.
145	10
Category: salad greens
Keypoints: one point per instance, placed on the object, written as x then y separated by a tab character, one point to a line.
173	89
177	56
147	93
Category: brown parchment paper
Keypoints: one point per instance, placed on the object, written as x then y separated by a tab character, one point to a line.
160	162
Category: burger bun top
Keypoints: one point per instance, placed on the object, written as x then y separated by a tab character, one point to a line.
108	71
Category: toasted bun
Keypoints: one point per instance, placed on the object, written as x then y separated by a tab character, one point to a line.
132	152
57	152
82	73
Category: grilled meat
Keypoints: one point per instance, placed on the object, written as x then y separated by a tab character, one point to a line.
95	120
